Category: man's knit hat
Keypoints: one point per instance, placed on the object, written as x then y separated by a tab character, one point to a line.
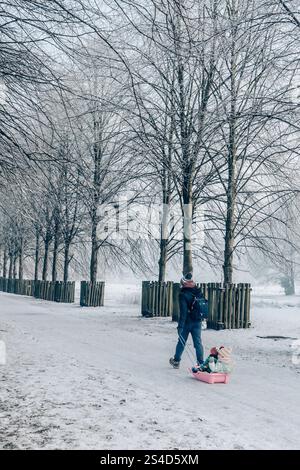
187	281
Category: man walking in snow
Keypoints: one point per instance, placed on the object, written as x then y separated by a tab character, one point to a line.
187	325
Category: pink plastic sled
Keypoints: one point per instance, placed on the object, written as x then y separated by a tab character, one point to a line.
211	378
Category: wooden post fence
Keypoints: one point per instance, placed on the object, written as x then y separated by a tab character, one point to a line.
55	291
46	290
16	286
92	294
157	299
228	304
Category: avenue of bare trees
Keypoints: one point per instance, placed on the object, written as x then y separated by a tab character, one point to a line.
149	134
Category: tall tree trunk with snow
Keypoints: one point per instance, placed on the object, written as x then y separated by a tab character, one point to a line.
230	215
21	256
163	245
166	182
190	147
97	154
5	259
54	259
164	230
55	247
10	269
47	243
66	261
37	254
162	259
187	228
232	156
94	251
187	197
15	257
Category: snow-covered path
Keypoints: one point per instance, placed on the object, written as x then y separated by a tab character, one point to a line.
99	378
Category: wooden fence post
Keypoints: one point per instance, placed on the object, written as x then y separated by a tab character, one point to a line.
145	291
247	322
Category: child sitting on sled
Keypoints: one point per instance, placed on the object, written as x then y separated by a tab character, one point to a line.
219	360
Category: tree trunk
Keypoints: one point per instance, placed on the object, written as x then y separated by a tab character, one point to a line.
37	255
5	259
15	266
10	270
232	158
21	265
94	253
164	233
46	258
66	261
187	167
187	227
229	239
187	239
96	198
55	256
162	260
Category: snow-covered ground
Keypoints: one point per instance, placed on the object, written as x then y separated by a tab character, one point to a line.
99	378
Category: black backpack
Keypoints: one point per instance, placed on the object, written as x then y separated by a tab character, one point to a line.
199	308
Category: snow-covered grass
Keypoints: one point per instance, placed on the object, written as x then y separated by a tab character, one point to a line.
99	378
